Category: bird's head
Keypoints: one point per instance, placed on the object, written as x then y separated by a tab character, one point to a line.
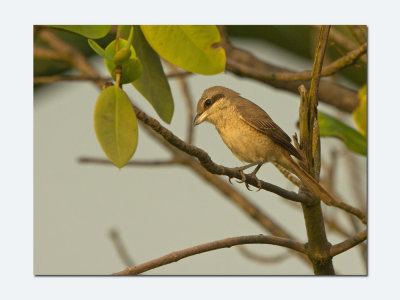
212	104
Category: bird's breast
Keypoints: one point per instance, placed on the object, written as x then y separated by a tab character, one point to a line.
246	143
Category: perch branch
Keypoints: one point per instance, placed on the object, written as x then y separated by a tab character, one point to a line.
206	161
225	243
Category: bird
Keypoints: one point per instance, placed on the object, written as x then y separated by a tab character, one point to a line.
252	136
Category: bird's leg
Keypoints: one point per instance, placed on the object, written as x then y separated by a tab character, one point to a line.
240	169
253	174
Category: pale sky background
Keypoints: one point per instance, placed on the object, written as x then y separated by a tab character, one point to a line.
158	210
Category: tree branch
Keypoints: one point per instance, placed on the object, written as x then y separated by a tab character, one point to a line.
178	74
343	41
68	52
206	161
359	32
120	248
56	78
348	244
347	60
225	243
243	63
263	258
156	162
188	101
318	245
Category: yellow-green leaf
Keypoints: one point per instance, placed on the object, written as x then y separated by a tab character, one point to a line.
115	125
131	68
190	47
153	76
360	113
330	126
89	31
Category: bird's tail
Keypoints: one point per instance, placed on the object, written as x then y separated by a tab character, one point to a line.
309	182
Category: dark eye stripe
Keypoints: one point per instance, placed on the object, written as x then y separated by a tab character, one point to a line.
212	100
216	97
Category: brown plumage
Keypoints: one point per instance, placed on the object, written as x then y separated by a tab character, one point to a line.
251	135
257	118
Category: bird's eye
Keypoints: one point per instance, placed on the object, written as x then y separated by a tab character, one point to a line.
207	103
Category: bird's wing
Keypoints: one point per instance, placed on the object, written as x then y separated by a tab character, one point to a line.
257	118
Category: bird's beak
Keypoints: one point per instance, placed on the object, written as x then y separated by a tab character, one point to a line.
198	119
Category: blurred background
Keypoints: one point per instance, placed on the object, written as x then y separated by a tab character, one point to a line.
84	213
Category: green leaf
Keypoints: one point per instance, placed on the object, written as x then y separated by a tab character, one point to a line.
330	126
190	47
89	31
153	84
131	68
100	51
360	113
115	125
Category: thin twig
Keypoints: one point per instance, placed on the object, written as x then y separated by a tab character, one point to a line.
348	244
243	63
343	41
220	244
358	31
56	78
46	53
262	258
120	248
349	59
147	163
71	54
188	101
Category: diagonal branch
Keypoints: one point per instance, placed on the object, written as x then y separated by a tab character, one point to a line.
347	60
120	248
208	164
225	243
348	244
243	63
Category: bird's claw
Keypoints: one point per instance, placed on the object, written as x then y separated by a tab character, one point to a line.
259	185
243	177
243	180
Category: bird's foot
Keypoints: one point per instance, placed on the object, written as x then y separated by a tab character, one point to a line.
259	185
243	179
